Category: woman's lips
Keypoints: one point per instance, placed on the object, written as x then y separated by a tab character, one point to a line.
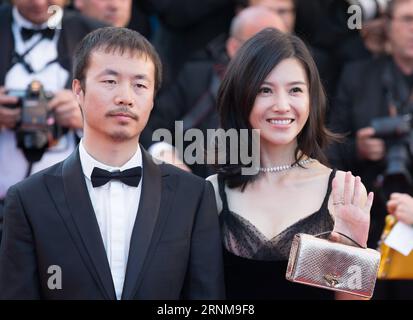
280	122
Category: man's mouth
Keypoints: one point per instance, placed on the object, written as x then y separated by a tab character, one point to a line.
122	114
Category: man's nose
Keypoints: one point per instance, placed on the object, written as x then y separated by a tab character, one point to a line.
124	95
114	5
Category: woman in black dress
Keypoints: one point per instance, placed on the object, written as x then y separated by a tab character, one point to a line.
273	85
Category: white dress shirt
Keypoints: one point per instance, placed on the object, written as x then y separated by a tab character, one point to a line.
13	164
54	77
116	206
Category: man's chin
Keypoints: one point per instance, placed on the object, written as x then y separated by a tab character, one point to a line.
38	18
121	136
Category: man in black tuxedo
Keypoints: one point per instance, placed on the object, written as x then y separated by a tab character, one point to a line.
109	222
31	50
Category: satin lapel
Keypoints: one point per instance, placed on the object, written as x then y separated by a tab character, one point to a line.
144	223
78	201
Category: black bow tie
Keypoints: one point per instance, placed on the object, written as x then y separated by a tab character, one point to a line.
28	33
131	177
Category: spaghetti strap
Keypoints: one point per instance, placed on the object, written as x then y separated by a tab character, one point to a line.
329	188
222	193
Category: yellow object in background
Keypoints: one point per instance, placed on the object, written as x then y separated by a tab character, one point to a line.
393	265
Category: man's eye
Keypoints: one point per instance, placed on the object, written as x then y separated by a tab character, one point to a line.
140	86
109	81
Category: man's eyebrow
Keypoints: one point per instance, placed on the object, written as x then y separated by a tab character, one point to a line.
141	77
109	72
112	72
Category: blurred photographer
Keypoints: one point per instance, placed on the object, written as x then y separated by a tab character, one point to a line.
37	39
374	105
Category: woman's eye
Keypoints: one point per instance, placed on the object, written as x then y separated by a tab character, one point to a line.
109	81
296	90
140	86
265	90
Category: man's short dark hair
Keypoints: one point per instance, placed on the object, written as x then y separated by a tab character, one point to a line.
114	39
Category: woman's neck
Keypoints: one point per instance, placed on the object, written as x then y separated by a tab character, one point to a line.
279	155
275	156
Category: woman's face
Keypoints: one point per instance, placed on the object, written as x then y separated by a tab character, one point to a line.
282	105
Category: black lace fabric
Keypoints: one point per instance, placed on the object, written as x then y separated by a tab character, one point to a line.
243	239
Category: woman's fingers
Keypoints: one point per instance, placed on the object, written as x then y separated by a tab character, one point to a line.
347	188
369	202
337	197
352	193
357	192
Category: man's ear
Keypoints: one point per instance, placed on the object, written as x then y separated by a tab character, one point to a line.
232	46
77	90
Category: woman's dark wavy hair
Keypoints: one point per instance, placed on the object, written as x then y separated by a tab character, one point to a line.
242	81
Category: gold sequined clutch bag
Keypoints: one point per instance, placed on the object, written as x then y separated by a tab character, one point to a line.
334	266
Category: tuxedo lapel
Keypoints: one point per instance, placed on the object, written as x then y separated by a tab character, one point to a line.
145	222
7	42
81	209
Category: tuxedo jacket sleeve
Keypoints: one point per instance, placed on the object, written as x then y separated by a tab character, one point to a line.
205	275
19	266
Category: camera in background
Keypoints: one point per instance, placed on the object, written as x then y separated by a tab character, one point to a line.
397	134
37	129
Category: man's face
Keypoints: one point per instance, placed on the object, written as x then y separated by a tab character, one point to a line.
284	8
115	12
117	97
401	30
36	10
